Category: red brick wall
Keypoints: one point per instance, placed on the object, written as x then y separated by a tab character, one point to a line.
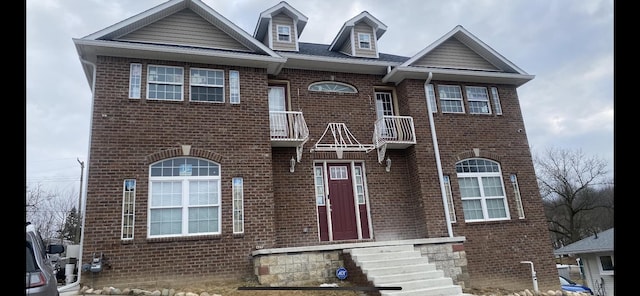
405	203
127	133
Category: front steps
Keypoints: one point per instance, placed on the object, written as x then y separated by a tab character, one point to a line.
402	266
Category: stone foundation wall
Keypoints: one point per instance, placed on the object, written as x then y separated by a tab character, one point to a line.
450	258
299	269
319	266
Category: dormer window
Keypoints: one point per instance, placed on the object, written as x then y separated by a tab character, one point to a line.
332	86
364	40
284	33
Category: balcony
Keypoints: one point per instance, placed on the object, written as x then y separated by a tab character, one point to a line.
288	129
393	132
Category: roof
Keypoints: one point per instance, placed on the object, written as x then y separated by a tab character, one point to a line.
508	72
345	32
600	242
283	7
251	52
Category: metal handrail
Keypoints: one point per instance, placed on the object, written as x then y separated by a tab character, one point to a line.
288	125
394	129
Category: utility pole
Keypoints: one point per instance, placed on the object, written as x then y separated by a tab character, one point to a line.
80	202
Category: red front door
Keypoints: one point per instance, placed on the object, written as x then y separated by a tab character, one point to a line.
341	198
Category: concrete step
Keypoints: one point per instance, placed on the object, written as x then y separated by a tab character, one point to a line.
399	270
403	266
391	262
410	285
404	276
386	256
451	290
383	249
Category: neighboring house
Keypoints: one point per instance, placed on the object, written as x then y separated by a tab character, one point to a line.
596	256
215	153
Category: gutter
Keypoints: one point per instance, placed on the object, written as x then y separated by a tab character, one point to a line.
73	288
434	137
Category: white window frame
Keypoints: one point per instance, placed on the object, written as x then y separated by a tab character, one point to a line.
212	79
359	184
496	100
182	173
234	87
478	100
238	204
364	40
135	80
479	171
431	96
447	189
516	195
128	209
449	103
282	34
601	268
318	177
156	80
332	86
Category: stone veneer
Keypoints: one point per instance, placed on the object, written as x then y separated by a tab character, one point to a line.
303	266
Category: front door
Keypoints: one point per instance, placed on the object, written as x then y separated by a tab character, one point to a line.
341	201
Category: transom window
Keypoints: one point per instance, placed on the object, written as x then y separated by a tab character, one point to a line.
450	99
364	40
284	33
165	83
478	100
184	197
481	190
332	86
207	85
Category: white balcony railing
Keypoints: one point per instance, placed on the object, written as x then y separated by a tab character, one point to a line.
394	129
288	125
393	132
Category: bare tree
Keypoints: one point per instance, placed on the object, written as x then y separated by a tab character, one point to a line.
577	194
47	210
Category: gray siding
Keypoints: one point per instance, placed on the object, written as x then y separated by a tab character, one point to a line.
454	54
363	27
346	47
283	19
185	28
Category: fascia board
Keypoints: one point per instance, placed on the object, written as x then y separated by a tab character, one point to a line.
301	61
397	74
90	49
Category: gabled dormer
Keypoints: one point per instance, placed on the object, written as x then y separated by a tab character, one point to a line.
280	26
178	30
459	56
359	36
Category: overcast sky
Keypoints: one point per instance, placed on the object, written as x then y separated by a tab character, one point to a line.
566	44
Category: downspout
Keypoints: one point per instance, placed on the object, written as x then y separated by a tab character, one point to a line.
76	284
434	137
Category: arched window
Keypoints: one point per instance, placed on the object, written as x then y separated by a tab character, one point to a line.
332	86
184	197
481	190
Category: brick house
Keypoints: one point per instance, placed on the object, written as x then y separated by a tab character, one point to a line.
215	153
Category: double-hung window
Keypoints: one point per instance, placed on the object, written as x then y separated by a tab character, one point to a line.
478	100
207	85
165	83
184	197
450	99
364	40
284	33
481	190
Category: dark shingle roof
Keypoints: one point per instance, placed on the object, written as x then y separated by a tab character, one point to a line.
322	50
601	242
